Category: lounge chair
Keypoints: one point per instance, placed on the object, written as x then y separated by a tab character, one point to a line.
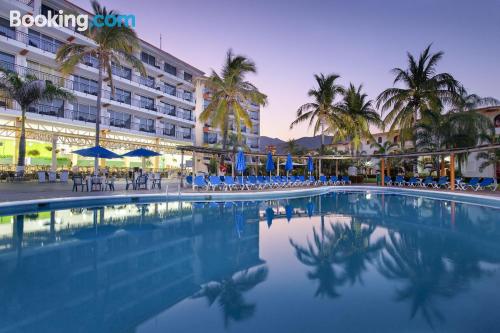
311	181
156	181
413	181
200	183
334	180
214	183
230	183
388	180
263	181
110	184
129	182
428	182
442	182
323	180
189	180
286	182
141	181
240	180
42	177
302	180
96	183
471	184
399	181
345	180
486	183
252	182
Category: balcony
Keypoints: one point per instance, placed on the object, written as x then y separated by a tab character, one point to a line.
181	114
120	123
30	40
29	3
179	135
47	110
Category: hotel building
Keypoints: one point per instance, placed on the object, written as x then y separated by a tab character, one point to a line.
157	111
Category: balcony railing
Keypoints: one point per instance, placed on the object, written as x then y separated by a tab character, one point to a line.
181	135
30	40
30	3
175	113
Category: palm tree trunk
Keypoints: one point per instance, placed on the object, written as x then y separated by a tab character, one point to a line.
98	116
22	142
322	147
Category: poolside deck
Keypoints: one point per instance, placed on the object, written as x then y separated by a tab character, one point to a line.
10	192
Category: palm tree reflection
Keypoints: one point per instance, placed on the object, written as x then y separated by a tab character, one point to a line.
229	291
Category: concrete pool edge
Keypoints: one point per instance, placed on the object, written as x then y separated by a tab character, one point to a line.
249	195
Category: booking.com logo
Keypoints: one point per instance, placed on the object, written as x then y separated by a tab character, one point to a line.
81	21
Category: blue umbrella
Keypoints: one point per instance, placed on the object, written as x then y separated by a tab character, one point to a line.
269	216
269	163
241	164
96	151
141	152
288	164
310	164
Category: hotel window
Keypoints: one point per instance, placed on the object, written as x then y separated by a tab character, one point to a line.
188	96
169	89
148	59
185	114
122	96
147	103
379	139
146	125
7	61
170	69
43	42
121	71
52	108
396	138
188	77
6	30
497	121
210	138
44	72
84	112
169	129
119	119
169	108
90	60
85	85
186	132
45	10
147	81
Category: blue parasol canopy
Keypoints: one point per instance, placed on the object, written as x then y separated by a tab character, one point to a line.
269	162
97	151
289	163
269	216
310	164
141	152
241	164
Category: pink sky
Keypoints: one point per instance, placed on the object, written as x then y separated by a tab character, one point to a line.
291	40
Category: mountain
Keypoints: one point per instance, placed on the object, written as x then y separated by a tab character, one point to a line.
307	143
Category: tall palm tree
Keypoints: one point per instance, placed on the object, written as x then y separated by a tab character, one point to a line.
470	102
423	89
292	147
385	148
113	46
230	91
490	157
27	91
358	114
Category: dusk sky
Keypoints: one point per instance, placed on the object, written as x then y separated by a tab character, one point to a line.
291	40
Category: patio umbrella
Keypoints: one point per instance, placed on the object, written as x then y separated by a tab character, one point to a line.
269	163
97	151
141	152
269	216
310	165
241	164
288	164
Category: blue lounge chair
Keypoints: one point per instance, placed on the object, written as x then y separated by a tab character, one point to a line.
252	182
399	181
301	180
388	180
486	183
311	180
230	183
214	183
471	184
189	180
442	182
263	182
334	180
199	182
345	180
323	180
240	180
292	180
428	182
413	181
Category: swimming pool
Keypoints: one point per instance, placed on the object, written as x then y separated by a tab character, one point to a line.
343	261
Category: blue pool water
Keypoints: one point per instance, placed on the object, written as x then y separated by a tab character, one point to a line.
341	262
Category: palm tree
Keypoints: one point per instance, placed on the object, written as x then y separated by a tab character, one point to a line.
358	114
292	147
113	45
383	149
423	90
229	294
490	157
471	102
26	92
229	92
322	112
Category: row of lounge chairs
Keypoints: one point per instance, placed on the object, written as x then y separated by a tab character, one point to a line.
261	182
443	182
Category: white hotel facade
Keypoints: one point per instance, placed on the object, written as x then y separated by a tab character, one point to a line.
158	111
